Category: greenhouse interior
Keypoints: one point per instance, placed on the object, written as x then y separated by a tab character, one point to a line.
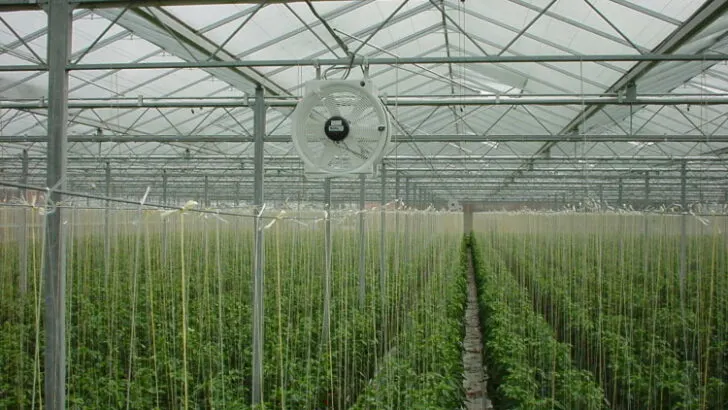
374	204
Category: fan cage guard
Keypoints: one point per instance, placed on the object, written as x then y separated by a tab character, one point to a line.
367	128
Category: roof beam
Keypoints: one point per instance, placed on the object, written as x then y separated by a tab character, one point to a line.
709	12
360	60
24	5
165	31
424	138
400	159
401	101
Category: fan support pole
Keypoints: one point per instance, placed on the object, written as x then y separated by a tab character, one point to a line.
259	133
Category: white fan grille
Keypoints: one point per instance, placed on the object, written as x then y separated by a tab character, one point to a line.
367	121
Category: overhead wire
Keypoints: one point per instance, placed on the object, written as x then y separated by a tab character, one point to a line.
339	41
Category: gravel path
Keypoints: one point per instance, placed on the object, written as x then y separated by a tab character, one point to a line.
474	379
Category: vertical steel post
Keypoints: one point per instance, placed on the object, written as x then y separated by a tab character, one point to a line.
647	187
206	193
683	222
327	262
164	187
620	191
258	260
383	254
407	191
362	242
23	230
468	219
107	226
601	196
683	249
54	266
237	193
165	224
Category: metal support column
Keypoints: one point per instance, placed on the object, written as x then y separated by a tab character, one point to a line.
107	227
165	221
327	263
647	187
620	191
237	193
54	266
468	219
407	191
258	260
683	220
206	193
601	196
383	255
683	249
23	230
164	187
362	242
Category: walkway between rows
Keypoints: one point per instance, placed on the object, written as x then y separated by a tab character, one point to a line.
474	379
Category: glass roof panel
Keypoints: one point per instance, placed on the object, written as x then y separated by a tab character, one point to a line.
199	16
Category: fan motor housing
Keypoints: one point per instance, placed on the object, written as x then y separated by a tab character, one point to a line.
336	128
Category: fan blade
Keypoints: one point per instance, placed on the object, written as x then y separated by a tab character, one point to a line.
357	150
318	114
330	103
360	106
331	151
314	131
365	134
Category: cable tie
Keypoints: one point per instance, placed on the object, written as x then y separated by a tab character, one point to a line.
144	198
260	213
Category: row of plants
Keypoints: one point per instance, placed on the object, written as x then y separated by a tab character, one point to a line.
162	319
528	367
654	337
423	368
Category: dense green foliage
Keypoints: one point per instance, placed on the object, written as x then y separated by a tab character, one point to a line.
170	326
423	369
618	301
643	306
528	367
